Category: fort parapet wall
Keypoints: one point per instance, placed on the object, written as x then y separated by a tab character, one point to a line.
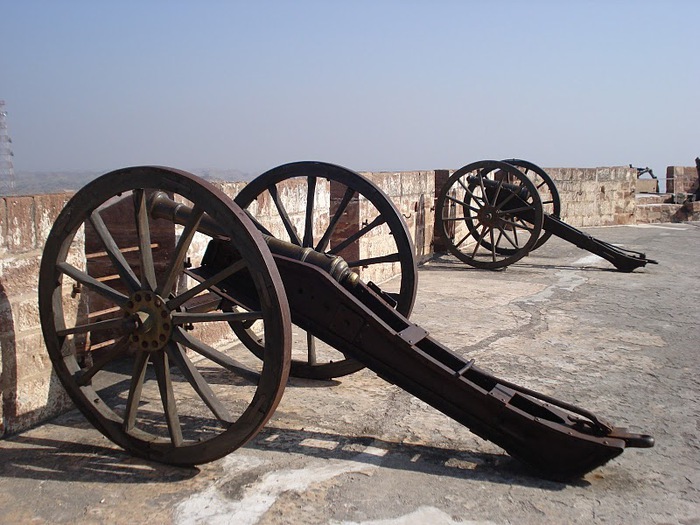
30	391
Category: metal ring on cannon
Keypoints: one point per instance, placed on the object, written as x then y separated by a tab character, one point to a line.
122	323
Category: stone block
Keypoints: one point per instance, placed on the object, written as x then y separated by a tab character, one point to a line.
231	189
47	208
33	401
388	182
21	230
647	186
416	182
3	225
28	388
7	320
20	274
25	312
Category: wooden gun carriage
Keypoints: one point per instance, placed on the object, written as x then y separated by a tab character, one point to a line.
161	386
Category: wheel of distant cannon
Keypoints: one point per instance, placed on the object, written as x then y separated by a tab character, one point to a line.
549	195
155	381
489	214
326	227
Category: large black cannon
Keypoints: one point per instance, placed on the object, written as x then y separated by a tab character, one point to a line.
165	378
491	214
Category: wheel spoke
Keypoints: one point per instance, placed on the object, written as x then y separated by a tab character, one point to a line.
498	190
477	199
483	189
512	194
503	231
479	240
393	257
516	225
181	299
309	223
195	379
379	220
180	318
148	270
463	239
462	203
347	197
183	244
121	324
114	253
311	349
493	245
167	396
291	230
257	224
92	283
137	378
119	349
500	235
515	234
212	353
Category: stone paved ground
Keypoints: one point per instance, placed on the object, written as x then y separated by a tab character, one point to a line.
358	450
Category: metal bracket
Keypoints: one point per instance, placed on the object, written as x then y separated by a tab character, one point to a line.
413	334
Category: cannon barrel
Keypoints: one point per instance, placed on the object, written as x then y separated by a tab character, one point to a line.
161	206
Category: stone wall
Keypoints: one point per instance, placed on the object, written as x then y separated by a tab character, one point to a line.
411	192
681	179
596	196
30	391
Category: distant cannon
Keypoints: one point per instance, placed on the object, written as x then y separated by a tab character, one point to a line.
164	388
491	214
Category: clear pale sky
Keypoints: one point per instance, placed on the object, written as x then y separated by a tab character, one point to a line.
371	85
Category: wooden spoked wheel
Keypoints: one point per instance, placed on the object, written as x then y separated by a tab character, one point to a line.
489	214
359	223
547	190
144	352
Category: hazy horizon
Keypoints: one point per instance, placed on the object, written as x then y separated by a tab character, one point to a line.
373	86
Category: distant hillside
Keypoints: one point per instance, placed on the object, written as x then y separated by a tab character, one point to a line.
37	182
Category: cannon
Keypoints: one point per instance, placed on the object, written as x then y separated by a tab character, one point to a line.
491	214
166	378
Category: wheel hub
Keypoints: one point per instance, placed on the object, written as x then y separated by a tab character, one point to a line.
488	215
153	320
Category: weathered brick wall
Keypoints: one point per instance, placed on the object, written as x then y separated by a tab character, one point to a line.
411	192
30	391
681	179
596	196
